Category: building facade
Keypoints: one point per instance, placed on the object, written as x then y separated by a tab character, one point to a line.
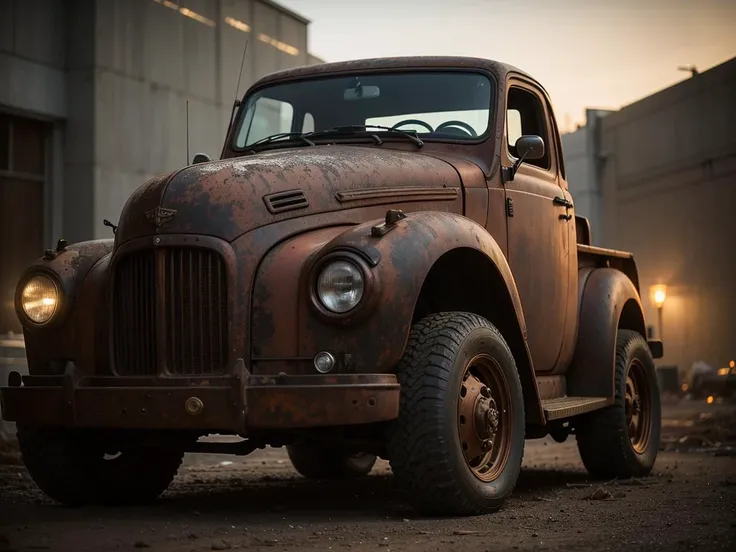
658	178
95	97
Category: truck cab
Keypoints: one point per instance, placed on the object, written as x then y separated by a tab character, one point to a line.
384	262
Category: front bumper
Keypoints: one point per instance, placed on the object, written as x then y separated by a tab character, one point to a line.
240	403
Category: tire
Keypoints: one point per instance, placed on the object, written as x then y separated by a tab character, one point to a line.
428	444
605	441
73	469
326	463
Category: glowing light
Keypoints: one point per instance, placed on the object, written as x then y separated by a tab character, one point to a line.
238	24
191	14
732	364
684	387
659	295
710	399
197	17
723	371
282	46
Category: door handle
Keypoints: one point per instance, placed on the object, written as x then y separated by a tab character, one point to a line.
565	217
563	202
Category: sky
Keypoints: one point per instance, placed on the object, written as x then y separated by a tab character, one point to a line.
587	53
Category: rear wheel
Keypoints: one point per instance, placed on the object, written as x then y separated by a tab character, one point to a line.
75	470
329	463
622	441
457	445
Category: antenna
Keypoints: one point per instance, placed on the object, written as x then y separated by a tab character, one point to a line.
187	132
240	74
236	101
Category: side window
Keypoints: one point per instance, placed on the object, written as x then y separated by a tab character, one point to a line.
308	124
525	116
266	117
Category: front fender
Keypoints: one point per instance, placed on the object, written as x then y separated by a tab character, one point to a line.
608	301
372	339
73	334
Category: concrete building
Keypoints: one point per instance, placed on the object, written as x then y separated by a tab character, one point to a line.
93	102
658	178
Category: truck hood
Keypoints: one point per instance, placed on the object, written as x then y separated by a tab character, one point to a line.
227	198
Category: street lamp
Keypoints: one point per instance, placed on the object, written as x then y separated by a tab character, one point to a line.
659	296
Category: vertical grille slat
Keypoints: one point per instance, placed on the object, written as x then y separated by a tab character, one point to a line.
195	310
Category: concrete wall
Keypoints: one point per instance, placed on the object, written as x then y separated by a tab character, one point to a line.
115	76
668	194
32	57
583	167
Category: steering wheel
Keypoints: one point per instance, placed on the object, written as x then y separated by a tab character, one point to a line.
459	124
413	122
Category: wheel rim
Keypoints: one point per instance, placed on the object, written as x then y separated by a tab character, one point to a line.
638	408
484	418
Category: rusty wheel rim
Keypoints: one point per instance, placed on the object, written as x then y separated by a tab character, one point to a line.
484	418
638	408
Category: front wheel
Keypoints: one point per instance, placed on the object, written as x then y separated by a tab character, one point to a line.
76	470
457	445
622	441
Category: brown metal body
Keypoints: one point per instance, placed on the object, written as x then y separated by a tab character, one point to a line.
202	313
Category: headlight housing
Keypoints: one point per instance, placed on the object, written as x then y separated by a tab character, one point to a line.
39	299
340	286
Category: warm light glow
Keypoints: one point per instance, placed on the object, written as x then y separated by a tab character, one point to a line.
238	24
39	299
710	399
723	371
732	364
684	387
191	14
197	17
283	46
659	295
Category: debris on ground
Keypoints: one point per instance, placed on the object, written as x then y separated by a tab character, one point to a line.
599	494
709	433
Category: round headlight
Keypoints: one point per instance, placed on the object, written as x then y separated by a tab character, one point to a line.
340	286
39	299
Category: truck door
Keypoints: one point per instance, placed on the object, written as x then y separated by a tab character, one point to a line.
538	248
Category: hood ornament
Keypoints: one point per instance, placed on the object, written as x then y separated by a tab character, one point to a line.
160	216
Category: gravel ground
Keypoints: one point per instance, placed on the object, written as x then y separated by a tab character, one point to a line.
259	503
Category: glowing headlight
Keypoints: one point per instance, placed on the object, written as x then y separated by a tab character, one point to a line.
340	286
39	299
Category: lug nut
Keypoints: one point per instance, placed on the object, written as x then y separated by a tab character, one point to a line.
485	392
487	445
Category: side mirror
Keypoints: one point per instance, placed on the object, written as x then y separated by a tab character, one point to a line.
527	147
204	158
530	147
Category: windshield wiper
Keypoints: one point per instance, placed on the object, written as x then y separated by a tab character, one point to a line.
268	139
366	128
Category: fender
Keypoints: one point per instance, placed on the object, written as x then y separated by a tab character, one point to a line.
398	262
78	271
609	301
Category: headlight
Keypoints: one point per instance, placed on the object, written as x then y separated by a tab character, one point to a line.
39	299
340	286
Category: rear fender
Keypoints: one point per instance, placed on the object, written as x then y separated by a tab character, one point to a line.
609	301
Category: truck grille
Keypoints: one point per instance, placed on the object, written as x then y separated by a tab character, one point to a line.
194	302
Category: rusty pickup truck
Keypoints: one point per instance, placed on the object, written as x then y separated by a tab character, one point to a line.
385	262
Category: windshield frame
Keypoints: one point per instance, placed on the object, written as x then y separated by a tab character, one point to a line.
240	116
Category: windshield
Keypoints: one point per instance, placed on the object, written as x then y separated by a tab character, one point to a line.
436	105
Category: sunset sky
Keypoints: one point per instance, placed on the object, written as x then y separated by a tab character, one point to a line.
587	53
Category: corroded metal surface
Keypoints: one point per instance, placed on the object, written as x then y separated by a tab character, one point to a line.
278	403
268	220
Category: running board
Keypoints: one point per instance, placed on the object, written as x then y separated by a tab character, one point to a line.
566	407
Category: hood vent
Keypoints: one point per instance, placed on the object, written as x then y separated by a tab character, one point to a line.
281	202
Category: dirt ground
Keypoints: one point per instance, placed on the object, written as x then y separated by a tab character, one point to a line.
259	503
